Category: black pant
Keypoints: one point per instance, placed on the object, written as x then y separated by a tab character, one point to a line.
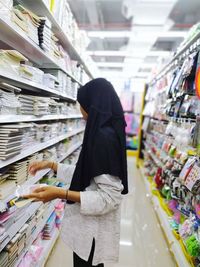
78	262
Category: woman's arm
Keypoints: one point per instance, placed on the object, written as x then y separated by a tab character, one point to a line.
40	165
105	199
48	193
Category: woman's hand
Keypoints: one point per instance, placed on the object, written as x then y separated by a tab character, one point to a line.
46	193
40	165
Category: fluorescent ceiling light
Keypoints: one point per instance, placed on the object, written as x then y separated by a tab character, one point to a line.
110	64
125	243
124	53
124	64
137	35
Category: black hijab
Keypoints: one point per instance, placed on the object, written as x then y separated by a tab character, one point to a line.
104	144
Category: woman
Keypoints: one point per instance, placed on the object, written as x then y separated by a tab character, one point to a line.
91	225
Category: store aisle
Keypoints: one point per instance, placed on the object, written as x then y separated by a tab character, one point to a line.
142	242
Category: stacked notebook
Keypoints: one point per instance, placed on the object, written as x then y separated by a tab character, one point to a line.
27	104
10	61
9	102
4	174
41	106
10	140
34	105
4	259
31	20
45	34
18	171
12	250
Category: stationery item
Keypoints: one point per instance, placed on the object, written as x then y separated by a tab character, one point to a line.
10	61
18	171
22	202
3	258
7	188
30	20
9	102
192	181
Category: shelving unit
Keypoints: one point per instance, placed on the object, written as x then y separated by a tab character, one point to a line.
19	223
39	228
40	8
31	118
38	147
193	44
32	86
42	173
17	39
48	246
173	243
13	37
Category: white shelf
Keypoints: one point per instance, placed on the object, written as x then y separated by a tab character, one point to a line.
29	118
42	173
39	228
31	85
18	224
48	246
175	247
16	38
38	147
40	9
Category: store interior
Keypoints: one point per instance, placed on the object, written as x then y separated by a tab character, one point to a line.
150	51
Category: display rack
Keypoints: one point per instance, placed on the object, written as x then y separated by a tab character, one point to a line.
48	246
38	147
42	173
139	154
13	37
187	49
39	228
170	140
40	8
174	245
33	87
31	118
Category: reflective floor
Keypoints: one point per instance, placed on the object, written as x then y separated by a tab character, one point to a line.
142	243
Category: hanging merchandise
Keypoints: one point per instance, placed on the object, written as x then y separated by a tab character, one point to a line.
171	150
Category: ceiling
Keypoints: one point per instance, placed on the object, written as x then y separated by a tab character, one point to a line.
130	38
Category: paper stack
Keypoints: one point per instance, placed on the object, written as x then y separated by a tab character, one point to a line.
32	159
12	249
27	104
10	140
10	61
18	172
29	135
54	107
9	102
31	73
45	33
4	259
4	174
31	20
41	106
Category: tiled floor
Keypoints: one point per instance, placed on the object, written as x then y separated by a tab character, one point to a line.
142	243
